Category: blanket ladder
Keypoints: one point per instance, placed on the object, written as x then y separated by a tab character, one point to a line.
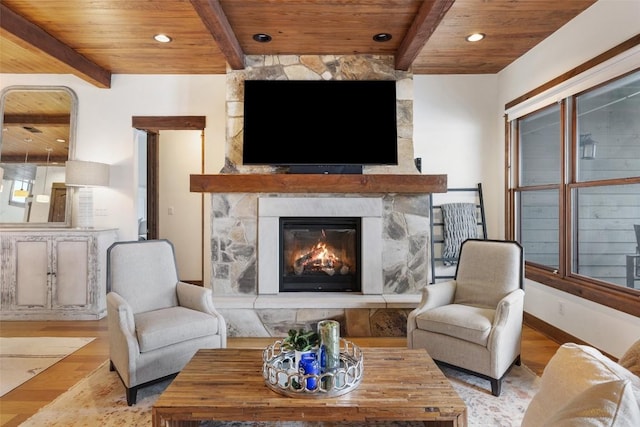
444	267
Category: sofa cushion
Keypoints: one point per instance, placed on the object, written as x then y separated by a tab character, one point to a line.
610	404
631	358
572	370
465	322
160	328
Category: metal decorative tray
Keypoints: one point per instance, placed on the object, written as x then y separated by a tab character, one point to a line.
280	375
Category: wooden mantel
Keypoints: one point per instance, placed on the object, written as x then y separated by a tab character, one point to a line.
318	183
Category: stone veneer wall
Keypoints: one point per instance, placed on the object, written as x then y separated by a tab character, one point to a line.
319	67
234	216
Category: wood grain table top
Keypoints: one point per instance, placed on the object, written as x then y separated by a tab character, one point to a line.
398	384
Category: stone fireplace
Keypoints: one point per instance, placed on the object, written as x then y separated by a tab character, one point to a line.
245	225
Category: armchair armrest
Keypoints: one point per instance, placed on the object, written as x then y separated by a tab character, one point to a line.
123	342
121	311
195	297
433	296
437	295
505	339
512	305
200	299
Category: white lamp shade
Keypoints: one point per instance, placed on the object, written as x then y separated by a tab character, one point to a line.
79	173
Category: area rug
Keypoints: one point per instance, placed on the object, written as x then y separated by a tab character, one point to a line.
99	399
22	358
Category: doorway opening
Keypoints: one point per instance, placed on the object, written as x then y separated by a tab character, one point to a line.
153	126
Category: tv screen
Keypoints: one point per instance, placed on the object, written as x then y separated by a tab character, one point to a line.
326	122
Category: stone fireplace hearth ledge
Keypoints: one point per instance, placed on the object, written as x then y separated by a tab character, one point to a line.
327	300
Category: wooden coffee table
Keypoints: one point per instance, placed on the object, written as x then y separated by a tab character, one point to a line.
398	384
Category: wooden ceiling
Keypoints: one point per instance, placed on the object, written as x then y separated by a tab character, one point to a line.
96	39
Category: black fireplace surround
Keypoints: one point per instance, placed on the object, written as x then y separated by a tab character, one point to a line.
320	254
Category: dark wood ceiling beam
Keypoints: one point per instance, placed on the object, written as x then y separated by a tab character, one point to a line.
37	119
426	22
31	36
214	18
36	158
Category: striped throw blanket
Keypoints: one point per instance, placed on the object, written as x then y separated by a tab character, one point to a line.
460	224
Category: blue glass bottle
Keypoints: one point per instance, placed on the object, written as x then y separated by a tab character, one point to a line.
309	366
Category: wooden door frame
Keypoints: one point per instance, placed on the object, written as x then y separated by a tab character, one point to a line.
152	125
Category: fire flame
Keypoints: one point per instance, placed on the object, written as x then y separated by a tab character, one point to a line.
320	257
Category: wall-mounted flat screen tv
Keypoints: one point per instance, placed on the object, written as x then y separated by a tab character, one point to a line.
326	122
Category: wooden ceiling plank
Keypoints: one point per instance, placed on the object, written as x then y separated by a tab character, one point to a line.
214	18
427	20
36	37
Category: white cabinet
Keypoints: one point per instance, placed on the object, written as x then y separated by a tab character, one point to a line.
54	274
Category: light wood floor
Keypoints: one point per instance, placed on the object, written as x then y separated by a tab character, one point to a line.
24	401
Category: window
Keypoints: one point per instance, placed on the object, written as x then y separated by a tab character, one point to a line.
20	191
576	192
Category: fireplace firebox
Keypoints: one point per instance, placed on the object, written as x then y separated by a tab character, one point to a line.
320	254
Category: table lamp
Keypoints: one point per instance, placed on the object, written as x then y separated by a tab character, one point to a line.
85	175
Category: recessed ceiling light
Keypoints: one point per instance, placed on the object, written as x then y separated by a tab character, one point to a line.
475	37
59	140
382	37
162	38
262	38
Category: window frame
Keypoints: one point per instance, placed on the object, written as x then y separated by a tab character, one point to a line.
608	294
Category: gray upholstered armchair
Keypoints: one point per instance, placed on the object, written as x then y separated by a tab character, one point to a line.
474	322
156	323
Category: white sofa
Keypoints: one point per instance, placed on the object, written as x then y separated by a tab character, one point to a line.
581	387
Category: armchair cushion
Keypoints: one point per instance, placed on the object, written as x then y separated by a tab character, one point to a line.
489	272
168	326
464	322
144	284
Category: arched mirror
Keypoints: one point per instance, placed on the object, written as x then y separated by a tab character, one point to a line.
38	133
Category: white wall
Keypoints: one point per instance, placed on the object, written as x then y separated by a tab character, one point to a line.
180	211
105	134
454	134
